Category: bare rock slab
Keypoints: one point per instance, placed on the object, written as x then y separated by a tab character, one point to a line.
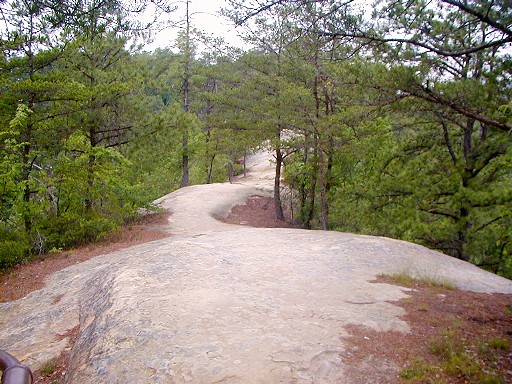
272	309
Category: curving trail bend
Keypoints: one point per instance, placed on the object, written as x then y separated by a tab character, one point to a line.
219	303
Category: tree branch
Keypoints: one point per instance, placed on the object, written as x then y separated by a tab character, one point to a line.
256	12
436	212
431	96
268	6
416	43
448	142
488	223
480	16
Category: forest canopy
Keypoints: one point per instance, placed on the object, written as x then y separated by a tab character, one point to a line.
395	122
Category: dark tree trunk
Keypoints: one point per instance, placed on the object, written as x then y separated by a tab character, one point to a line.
310	206
184	161
277	185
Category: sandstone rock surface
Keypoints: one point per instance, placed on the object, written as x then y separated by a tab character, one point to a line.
219	303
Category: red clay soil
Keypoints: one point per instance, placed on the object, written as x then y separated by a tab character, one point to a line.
456	336
258	212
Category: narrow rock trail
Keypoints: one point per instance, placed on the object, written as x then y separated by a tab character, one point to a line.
220	303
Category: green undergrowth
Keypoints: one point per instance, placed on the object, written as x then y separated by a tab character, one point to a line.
407	278
49	367
65	232
457	360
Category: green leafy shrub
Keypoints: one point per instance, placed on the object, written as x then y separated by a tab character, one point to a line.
74	229
14	247
13	252
238	169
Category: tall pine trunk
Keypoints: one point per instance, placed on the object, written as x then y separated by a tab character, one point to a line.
277	180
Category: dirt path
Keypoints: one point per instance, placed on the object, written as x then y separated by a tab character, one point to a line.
195	308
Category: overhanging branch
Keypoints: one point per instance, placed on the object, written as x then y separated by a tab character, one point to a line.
431	96
428	47
480	16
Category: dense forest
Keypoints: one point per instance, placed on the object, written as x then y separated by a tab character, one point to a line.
396	122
